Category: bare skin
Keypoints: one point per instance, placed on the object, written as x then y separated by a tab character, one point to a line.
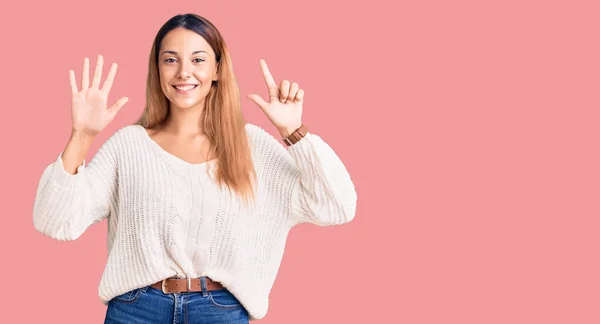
184	58
191	149
89	111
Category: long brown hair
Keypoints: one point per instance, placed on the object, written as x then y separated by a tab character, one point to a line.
221	120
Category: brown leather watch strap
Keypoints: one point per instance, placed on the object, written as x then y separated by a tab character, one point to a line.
296	135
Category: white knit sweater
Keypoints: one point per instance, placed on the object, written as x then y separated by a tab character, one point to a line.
167	218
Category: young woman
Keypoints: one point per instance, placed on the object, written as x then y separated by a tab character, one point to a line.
199	203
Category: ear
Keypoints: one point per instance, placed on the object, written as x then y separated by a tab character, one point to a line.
216	77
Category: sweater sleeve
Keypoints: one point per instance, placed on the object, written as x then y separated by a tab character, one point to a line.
323	193
67	204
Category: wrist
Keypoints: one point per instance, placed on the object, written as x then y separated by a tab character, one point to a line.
81	136
287	131
295	135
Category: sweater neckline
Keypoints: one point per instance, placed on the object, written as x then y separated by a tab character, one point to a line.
172	159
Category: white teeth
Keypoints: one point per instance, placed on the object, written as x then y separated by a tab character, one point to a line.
185	88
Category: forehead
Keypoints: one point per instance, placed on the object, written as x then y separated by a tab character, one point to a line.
184	42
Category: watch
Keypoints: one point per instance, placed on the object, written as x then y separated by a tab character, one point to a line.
296	135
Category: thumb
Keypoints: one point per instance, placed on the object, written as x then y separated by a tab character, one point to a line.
258	100
118	105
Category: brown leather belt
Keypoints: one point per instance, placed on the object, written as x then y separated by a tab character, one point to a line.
177	285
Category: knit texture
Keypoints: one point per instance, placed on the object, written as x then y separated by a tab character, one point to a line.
168	218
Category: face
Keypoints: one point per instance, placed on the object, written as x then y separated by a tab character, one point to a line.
187	66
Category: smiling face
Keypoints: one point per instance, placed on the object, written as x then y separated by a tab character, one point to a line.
187	66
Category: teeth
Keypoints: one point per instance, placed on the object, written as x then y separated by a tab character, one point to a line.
185	88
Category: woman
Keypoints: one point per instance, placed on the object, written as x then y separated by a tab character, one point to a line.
199	203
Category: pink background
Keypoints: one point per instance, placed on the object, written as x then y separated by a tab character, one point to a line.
470	130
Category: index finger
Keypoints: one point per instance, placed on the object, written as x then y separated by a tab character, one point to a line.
273	89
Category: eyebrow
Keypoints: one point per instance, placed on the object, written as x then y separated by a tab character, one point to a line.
173	52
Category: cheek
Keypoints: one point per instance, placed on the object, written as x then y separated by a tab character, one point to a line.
205	77
166	73
166	89
164	82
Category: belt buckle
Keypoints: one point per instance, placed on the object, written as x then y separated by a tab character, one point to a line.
189	285
163	286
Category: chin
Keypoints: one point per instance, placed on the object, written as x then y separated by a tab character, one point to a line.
183	104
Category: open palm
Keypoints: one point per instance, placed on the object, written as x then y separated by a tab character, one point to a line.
89	109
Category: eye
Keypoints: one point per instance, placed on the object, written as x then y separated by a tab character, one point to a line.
167	60
199	60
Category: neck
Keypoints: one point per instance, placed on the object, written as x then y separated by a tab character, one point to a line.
185	121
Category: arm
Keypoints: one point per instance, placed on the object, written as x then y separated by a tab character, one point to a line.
323	193
68	201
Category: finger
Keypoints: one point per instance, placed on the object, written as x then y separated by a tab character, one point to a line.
73	82
110	78
293	91
284	90
85	79
299	96
258	100
98	72
118	105
271	85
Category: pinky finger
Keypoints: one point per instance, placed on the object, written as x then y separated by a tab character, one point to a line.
73	82
299	96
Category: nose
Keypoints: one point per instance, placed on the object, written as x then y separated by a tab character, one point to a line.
185	71
183	75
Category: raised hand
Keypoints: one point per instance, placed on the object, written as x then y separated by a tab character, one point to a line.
284	108
89	110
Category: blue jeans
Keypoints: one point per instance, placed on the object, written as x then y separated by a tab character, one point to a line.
151	305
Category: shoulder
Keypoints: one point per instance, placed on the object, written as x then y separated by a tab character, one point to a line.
255	131
131	129
125	133
267	149
258	136
122	137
